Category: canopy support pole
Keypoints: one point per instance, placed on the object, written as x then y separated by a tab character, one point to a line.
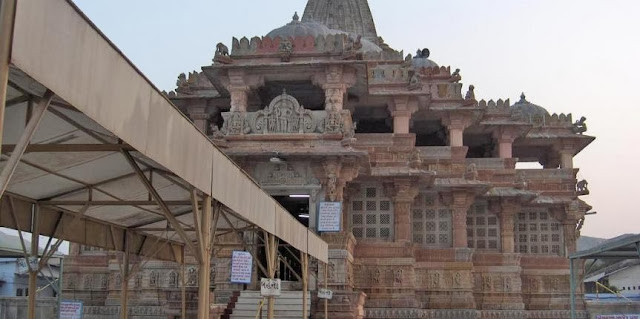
573	289
183	291
124	293
305	283
326	286
204	235
271	250
25	139
33	273
7	20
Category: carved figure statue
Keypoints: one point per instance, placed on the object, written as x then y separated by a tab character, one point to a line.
192	277
182	80
521	181
582	186
456	73
415	83
285	49
397	276
173	279
472	172
407	60
376	276
423	53
332	186
580	126
471	95
221	50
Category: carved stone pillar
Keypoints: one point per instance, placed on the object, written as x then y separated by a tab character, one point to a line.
404	193
197	113
505	137
457	123
462	200
239	97
401	108
508	211
566	159
335	81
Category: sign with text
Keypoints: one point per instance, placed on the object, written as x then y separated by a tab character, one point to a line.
636	316
325	294
23	266
329	216
241	267
269	287
70	310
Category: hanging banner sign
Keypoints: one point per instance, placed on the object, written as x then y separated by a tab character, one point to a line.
325	294
270	287
329	216
636	316
241	267
70	310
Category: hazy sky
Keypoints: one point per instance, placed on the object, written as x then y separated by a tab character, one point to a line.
579	57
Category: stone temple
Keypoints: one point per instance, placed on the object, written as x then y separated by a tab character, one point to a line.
438	219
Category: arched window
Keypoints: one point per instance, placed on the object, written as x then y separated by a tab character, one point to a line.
483	227
537	232
431	221
372	214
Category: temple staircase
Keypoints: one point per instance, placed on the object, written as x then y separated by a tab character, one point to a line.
288	305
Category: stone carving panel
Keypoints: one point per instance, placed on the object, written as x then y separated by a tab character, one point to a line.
284	115
274	174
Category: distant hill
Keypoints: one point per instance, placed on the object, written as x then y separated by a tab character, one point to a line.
586	242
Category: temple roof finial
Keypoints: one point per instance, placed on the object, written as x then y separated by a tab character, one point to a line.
523	97
296	17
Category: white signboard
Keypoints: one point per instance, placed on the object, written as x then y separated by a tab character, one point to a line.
325	294
329	216
270	287
241	266
23	267
70	310
636	316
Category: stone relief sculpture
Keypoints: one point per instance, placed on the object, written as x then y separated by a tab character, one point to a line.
283	115
286	50
222	54
471	95
173	279
582	187
192	277
153	279
580	126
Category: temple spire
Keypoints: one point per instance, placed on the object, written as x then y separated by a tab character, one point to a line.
347	15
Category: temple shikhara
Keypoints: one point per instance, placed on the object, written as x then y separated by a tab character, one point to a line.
439	220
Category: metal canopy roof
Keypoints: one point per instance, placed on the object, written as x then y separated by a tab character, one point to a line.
627	247
107	137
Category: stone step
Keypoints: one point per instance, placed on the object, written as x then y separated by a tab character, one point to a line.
284	294
279	301
237	314
250	306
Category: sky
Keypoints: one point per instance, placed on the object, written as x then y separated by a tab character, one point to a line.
571	56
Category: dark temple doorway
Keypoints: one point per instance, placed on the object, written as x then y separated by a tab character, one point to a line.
289	259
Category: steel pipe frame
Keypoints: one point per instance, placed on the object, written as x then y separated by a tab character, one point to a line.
7	21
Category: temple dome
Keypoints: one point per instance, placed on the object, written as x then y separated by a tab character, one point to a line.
311	28
528	109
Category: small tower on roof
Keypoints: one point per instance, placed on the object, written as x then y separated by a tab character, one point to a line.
347	15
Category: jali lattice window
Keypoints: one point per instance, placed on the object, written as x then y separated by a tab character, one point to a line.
372	214
483	227
431	221
537	232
